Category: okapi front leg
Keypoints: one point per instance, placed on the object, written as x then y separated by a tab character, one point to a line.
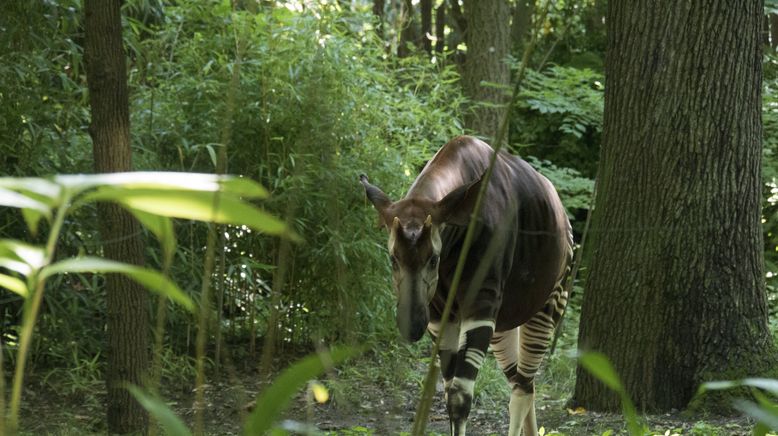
474	338
447	353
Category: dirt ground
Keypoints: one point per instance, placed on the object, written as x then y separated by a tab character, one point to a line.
366	410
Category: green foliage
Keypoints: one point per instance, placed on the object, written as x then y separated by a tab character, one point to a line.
316	105
764	410
34	265
274	400
600	367
574	190
168	420
558	117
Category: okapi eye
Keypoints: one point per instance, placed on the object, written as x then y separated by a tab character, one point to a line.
434	261
394	263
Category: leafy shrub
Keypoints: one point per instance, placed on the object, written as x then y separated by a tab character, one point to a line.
316	106
558	117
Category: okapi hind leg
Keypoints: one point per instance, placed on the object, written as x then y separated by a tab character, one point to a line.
520	352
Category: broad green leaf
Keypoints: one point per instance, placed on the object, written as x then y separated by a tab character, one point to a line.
768	406
150	180
38	189
172	424
770	385
21	257
14	199
14	285
195	206
765	416
600	367
152	280
32	218
275	399
162	227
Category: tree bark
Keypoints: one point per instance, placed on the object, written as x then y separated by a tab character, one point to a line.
774	31
676	294
440	28
408	31
378	11
487	50
126	301
426	25
522	22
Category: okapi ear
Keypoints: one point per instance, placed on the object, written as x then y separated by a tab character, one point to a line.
377	197
456	207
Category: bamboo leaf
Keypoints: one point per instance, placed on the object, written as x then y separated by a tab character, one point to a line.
14	199
766	417
162	228
172	424
275	399
152	280
195	206
161	180
599	366
21	257
42	190
14	285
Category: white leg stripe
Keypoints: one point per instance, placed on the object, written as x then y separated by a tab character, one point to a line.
475	357
470	324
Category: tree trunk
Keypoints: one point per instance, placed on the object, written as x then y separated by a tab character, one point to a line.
440	28
426	25
774	31
522	22
676	294
126	301
487	49
378	11
408	30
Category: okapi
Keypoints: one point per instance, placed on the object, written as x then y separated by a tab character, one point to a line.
512	277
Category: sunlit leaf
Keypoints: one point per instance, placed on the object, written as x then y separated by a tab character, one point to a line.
762	414
14	285
150	180
195	206
172	424
600	367
767	384
276	398
21	257
38	189
14	199
152	280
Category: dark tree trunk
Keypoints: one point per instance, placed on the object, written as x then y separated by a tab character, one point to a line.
408	31
378	11
126	301
440	28
458	16
426	25
522	22
774	31
487	49
676	294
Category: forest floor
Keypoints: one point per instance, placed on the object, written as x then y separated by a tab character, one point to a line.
366	399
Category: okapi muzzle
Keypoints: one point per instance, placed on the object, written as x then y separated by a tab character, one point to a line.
414	252
414	247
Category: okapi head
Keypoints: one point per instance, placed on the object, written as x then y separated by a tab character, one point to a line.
414	226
